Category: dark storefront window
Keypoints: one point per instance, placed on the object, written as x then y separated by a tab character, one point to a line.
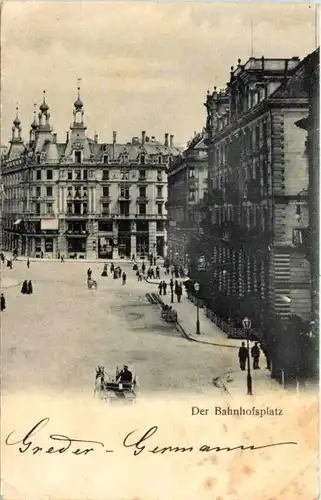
48	245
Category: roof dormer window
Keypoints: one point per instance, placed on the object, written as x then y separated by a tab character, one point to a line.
77	156
142	159
105	159
38	158
160	159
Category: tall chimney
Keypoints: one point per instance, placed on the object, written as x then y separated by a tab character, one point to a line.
143	136
114	137
67	136
171	141
166	140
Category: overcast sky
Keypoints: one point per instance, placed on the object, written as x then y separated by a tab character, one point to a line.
144	66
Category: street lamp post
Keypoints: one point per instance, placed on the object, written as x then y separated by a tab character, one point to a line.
247	327
197	289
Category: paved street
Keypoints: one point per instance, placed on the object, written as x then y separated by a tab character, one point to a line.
55	338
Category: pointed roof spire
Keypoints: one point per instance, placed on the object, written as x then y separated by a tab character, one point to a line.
34	123
44	106
17	121
78	103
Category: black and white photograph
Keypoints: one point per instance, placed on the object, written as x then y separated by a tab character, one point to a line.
159	247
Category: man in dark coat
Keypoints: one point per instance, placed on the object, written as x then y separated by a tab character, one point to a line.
164	287
160	287
255	352
2	302
243	356
125	375
179	292
124	278
157	273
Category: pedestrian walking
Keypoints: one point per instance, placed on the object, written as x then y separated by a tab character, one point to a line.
2	302
105	273
152	275
133	257
171	284
62	259
143	267
137	274
155	261
243	356
176	287
160	287
112	267
28	263
124	278
30	288
157	273
151	259
2	257
179	292
255	352
24	288
89	273
164	287
41	255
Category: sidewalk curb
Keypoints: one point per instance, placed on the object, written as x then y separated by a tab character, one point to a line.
192	339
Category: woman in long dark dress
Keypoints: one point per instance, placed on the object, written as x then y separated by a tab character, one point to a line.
2	302
104	273
24	288
30	288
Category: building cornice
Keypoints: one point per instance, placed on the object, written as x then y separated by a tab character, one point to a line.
263	108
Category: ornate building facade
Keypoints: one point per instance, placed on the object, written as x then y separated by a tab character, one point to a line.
258	180
82	198
187	187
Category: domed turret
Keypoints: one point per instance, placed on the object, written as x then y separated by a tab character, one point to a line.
44	106
16	121
78	104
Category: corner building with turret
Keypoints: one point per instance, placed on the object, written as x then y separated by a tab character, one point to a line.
82	198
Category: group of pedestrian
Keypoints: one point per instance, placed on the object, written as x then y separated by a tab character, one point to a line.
27	287
255	354
153	274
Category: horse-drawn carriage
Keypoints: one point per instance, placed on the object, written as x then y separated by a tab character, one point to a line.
111	388
169	314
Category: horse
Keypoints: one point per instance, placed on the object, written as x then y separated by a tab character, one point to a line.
100	379
92	283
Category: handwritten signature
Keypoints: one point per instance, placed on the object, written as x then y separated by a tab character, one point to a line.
61	444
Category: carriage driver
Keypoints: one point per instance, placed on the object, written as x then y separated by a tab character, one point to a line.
125	375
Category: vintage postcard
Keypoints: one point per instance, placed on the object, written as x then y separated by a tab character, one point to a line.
159	248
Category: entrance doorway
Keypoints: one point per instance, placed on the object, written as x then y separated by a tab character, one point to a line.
105	248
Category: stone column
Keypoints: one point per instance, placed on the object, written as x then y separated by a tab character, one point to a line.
152	238
133	239
115	240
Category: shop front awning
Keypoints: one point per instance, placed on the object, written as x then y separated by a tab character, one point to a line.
17	222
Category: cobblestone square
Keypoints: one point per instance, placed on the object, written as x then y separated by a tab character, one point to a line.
55	338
